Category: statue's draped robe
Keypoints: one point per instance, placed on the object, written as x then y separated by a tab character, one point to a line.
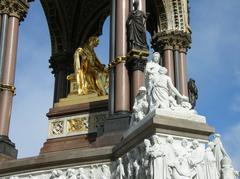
158	165
136	30
219	154
157	86
196	159
90	74
210	165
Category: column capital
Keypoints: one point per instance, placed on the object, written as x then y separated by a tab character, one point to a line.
14	8
173	39
61	61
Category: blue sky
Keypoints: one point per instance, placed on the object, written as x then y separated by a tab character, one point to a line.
213	61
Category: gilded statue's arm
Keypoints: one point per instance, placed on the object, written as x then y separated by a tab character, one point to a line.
78	68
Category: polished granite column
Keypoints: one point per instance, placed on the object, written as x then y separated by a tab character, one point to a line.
122	86
168	61
183	72
13	13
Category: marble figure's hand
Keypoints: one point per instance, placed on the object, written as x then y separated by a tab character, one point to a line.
184	98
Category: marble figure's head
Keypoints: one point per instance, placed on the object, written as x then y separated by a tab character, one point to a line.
105	168
169	139
119	160
195	144
211	145
70	172
142	90
154	139
156	57
147	143
184	143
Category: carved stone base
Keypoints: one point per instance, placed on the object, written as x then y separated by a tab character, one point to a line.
7	149
69	143
114	127
75	126
158	138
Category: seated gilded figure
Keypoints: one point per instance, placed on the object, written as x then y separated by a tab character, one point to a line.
91	75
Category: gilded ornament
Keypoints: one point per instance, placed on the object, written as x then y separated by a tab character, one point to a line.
77	125
5	87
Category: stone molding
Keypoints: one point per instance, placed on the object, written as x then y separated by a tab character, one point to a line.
61	61
15	8
135	63
173	39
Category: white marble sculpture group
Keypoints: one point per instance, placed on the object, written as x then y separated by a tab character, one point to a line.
154	159
159	157
158	93
87	172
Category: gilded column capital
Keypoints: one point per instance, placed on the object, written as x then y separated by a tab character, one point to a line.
14	8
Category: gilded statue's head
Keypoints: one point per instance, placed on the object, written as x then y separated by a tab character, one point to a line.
93	41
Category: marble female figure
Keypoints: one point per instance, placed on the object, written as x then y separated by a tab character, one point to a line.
196	160
158	165
211	171
219	151
159	85
120	173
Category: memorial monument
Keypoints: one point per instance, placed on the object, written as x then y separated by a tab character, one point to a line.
132	119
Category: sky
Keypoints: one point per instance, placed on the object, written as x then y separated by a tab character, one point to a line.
213	61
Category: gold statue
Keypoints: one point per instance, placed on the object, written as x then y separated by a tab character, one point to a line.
91	76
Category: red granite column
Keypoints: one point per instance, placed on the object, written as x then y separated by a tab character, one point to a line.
168	61
0	24
111	95
122	93
15	10
8	76
183	72
142	5
3	34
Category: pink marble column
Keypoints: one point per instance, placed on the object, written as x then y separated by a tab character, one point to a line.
8	76
122	90
142	5
168	61
183	72
0	24
137	82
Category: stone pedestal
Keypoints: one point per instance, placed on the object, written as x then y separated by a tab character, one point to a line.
160	123
75	121
7	149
